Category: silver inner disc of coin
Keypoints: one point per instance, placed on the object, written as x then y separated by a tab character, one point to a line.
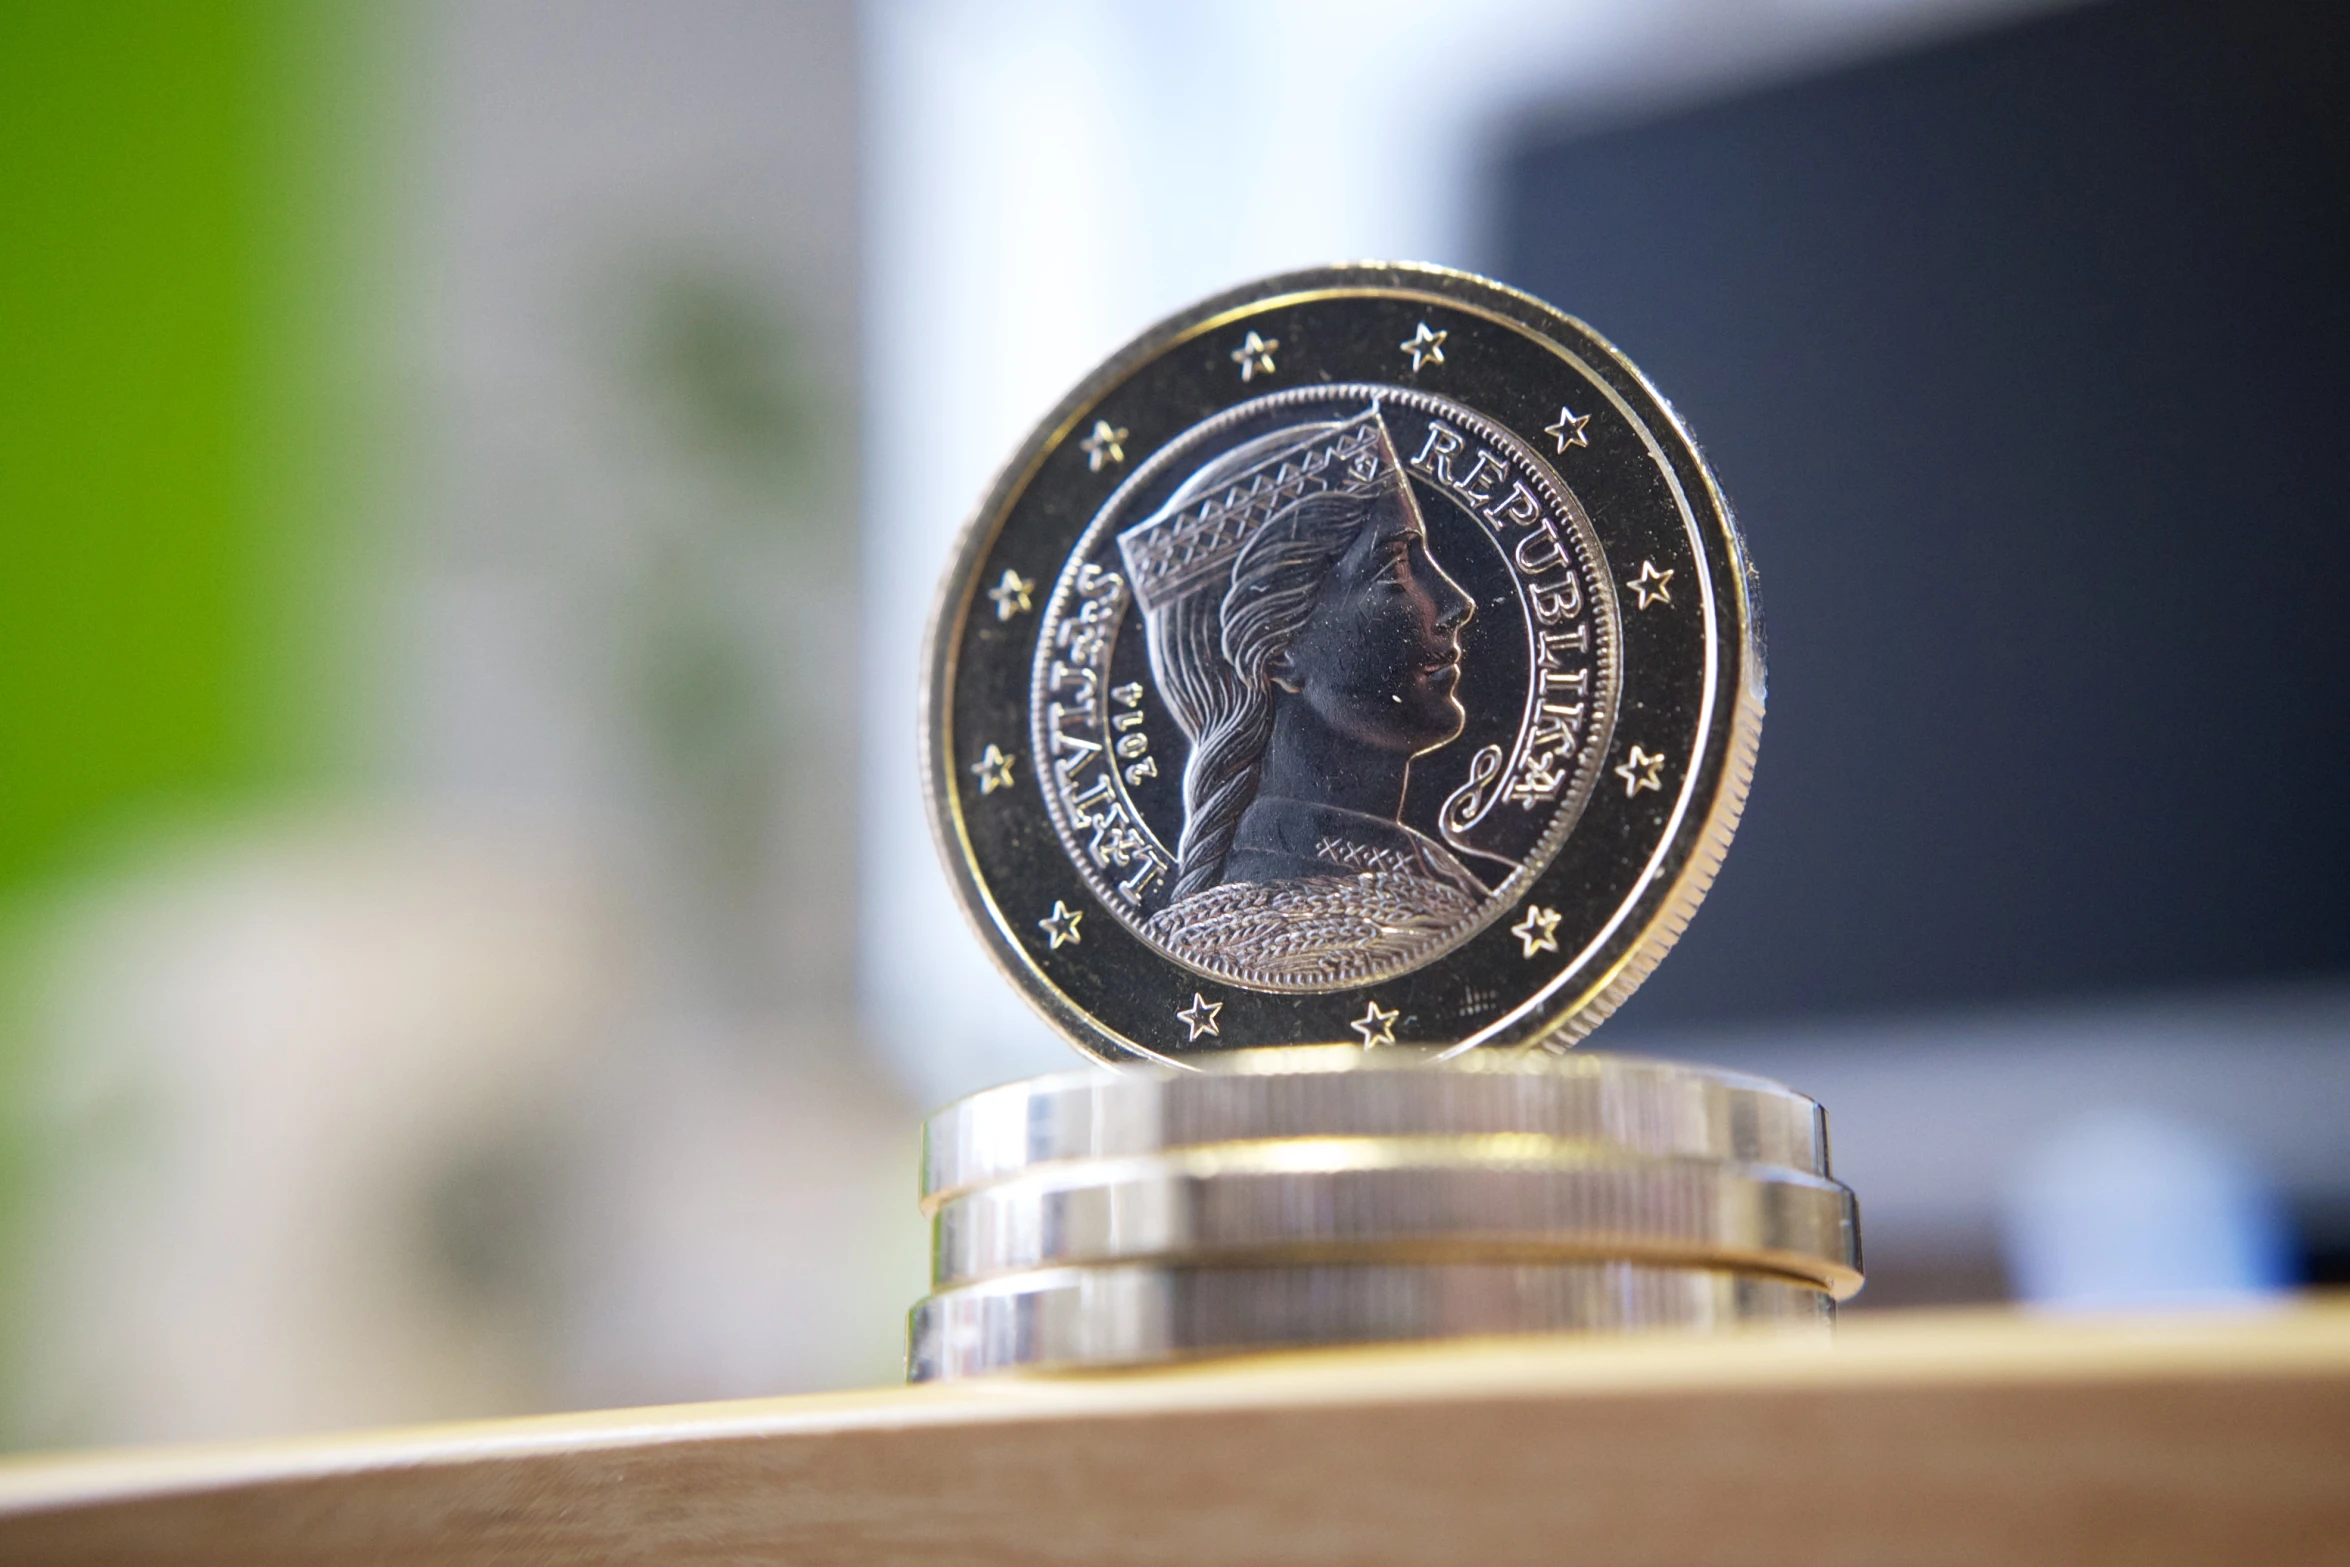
1380	637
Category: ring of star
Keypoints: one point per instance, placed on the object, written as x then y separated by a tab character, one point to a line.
1061	925
993	769
1425	345
1255	354
1012	595
1200	1016
1640	771
1377	1026
1569	430
1106	444
1650	584
1538	930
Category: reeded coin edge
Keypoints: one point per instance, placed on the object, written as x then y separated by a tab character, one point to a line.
1731	774
1132	1102
1310	1199
1069	1319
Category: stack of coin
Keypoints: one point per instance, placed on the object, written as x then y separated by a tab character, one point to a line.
1363	655
1308	1196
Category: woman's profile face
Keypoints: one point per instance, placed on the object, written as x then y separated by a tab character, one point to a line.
1379	658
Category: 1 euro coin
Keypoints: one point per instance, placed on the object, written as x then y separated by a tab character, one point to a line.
1366	656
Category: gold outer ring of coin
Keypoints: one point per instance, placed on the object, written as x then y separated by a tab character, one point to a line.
1505	1197
1081	1318
1662	1108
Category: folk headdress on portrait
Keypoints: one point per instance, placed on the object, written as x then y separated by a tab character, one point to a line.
1190	543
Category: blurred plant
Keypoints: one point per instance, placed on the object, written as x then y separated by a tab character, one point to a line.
723	366
735	627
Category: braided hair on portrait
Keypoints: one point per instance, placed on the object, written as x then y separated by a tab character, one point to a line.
1216	660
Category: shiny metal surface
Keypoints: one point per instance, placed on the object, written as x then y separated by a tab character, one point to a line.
1636	1106
1363	656
1336	708
1080	1318
1505	1197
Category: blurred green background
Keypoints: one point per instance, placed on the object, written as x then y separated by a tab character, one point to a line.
134	552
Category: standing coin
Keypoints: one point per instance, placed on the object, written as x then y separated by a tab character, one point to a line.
1364	656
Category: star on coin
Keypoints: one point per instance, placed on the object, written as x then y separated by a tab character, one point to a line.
993	770
1569	430
1106	444
1061	925
1425	345
1200	1016
1254	355
1012	595
1538	930
1640	771
1377	1026
1650	585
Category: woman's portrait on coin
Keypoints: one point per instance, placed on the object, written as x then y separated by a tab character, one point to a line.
1332	644
1308	643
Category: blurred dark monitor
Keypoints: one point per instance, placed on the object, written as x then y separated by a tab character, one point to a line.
2023	361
